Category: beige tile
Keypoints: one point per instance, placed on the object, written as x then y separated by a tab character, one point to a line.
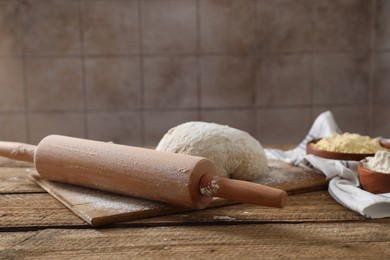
170	82
9	27
117	127
157	123
380	125
11	88
169	26
51	27
110	27
227	81
343	24
350	119
54	84
287	126
113	83
13	127
382	24
284	24
381	79
341	78
283	79
227	25
44	124
243	119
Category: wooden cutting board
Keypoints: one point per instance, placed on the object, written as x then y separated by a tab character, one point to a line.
102	208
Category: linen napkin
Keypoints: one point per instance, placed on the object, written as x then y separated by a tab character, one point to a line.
344	184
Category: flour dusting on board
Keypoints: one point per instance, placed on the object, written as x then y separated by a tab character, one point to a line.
282	173
109	201
101	201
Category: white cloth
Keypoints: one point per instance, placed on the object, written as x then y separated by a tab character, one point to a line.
342	175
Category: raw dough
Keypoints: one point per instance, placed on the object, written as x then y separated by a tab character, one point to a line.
235	153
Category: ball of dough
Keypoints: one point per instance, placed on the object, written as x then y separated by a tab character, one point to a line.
235	153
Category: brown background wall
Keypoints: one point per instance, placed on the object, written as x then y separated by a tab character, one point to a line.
127	70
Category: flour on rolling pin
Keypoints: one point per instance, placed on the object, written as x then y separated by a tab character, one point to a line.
210	189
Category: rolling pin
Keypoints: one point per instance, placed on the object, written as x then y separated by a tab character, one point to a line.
172	178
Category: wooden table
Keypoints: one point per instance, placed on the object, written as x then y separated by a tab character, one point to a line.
35	225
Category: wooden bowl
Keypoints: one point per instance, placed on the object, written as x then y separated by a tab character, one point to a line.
334	155
372	181
385	143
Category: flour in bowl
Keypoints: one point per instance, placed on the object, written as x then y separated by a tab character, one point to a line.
379	163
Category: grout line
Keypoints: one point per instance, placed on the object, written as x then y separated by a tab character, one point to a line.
173	109
13	112
255	64
370	90
198	61
83	69
372	28
314	18
12	56
170	109
24	76
142	75
206	54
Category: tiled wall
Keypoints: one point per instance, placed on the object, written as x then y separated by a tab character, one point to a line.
127	70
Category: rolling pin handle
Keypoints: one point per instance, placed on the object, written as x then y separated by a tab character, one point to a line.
18	151
242	191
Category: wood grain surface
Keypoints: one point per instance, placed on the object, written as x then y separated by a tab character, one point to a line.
102	208
258	241
34	225
5	162
43	211
16	180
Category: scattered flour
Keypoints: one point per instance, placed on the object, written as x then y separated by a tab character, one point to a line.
210	190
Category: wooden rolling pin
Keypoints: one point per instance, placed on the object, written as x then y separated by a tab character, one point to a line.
172	178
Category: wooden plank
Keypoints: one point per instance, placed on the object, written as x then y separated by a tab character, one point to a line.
308	207
270	241
42	210
101	208
16	180
5	162
34	210
291	178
